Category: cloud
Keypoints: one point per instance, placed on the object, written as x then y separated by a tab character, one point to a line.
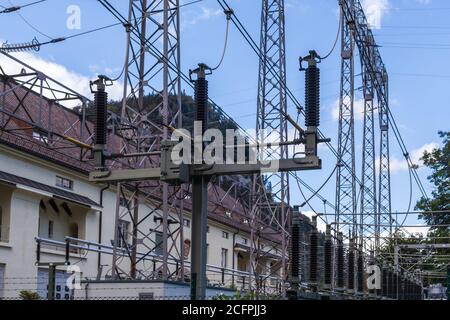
358	107
73	80
375	10
397	165
205	14
424	1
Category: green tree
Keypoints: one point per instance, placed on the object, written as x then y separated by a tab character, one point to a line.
438	161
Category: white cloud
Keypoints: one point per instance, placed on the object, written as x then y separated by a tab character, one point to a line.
358	110
397	164
75	81
321	225
424	1
205	14
375	10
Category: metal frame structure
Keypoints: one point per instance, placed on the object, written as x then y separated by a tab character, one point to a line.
22	117
152	47
272	190
374	68
345	174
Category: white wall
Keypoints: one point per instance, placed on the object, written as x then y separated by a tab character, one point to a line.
19	254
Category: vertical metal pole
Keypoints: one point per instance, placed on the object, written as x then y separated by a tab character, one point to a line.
165	116
51	281
199	193
135	236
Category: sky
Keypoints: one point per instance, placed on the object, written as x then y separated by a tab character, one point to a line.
413	38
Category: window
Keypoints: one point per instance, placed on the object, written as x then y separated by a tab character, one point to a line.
123	233
64	183
207	229
158	243
228	214
224	258
244	240
187	223
50	229
225	234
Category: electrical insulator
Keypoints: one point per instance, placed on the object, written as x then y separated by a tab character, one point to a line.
312	89
340	262
100	102
201	94
314	244
328	255
390	285
295	244
312	96
351	267
360	272
384	286
101	113
395	285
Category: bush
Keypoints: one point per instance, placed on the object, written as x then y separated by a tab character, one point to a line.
29	295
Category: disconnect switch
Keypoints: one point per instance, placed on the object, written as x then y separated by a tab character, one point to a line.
172	173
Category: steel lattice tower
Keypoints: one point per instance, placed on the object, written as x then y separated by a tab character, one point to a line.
271	124
345	182
375	70
152	68
384	196
368	181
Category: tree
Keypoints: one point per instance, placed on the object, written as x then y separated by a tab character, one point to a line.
438	161
436	208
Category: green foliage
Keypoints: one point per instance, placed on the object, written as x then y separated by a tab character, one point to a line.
29	295
439	162
251	295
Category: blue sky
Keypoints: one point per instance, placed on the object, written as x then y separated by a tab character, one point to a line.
414	39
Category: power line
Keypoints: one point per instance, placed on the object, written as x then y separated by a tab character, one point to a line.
14	8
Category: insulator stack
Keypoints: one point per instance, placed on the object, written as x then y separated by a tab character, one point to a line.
201	100
312	96
314	245
34	45
351	267
390	284
395	286
340	263
360	272
295	246
101	112
408	290
328	256
384	283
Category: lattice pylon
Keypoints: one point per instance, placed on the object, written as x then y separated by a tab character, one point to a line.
345	175
152	48
271	191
